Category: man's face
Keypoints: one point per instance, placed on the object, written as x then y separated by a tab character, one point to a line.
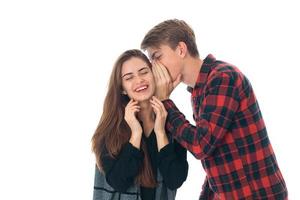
168	57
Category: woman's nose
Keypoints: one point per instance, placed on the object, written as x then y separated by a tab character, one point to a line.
139	79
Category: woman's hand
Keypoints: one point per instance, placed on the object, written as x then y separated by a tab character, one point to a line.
160	115
160	121
130	117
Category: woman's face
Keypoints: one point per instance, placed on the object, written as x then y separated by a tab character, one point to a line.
137	79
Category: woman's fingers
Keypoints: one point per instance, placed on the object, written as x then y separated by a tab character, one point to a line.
131	108
155	99
136	107
158	102
155	109
131	103
159	106
156	105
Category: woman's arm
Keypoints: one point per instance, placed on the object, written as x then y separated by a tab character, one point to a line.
173	165
120	172
172	161
162	140
160	121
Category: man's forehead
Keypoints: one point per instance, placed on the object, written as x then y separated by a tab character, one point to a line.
152	50
160	47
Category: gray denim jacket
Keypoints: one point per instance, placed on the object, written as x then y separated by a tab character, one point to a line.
103	191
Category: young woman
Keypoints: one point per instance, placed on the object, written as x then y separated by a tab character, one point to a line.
136	157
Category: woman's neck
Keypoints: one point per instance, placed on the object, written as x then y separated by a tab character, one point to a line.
146	115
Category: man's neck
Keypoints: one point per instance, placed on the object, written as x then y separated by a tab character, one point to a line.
191	71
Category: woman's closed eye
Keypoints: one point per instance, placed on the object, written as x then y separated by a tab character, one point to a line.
128	77
144	71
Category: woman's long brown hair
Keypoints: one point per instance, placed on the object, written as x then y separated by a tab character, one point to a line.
112	131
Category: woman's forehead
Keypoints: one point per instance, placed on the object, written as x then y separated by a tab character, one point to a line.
134	64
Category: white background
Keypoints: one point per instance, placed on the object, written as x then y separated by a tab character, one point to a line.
55	61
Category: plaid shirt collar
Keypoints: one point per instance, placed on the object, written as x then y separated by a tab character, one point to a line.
205	69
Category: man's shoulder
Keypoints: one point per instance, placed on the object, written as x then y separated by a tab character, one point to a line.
226	73
225	69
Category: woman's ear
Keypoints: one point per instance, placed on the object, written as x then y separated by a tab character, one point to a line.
124	92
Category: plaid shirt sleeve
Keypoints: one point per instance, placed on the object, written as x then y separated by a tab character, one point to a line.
219	104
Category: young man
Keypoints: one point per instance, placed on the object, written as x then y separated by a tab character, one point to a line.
230	137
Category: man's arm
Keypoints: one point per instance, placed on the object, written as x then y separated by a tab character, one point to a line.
215	116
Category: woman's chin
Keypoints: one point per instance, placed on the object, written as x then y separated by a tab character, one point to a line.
143	98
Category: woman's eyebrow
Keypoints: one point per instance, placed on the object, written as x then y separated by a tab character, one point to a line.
127	74
143	68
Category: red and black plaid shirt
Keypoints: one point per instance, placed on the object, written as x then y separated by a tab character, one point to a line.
230	136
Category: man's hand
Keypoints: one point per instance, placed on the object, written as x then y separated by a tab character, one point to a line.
164	83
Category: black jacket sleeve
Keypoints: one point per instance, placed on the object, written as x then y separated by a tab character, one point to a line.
120	172
173	165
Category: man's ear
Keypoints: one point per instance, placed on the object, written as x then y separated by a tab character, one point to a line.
182	49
